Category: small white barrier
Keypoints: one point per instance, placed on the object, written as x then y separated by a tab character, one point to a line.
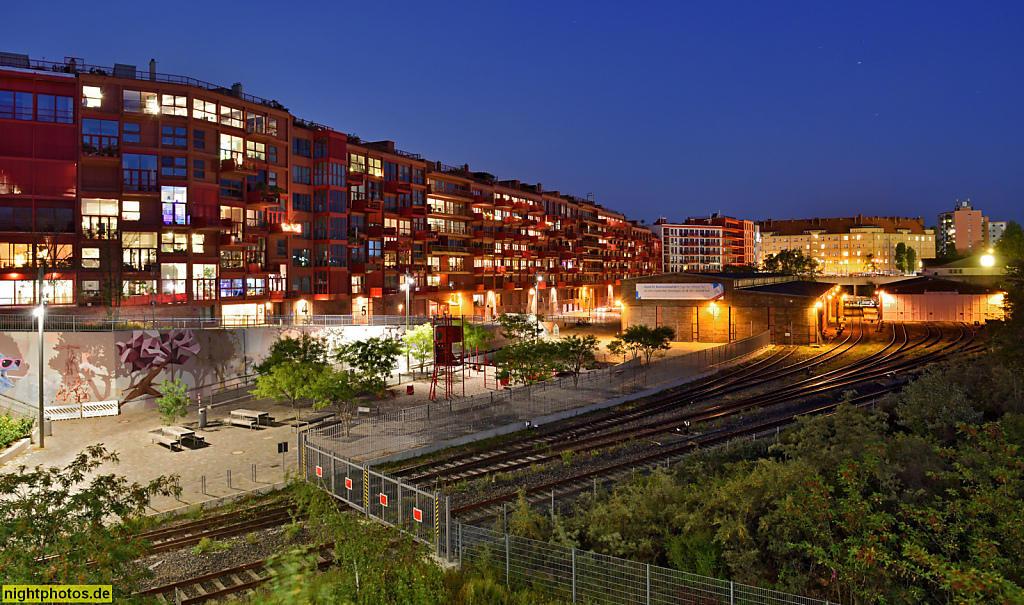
63	412
92	409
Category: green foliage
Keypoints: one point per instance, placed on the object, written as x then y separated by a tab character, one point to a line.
911	260
173	401
900	257
12	430
209	545
73	525
515	326
338	388
474	336
642	340
418	343
790	262
288	381
1012	242
528	361
575	352
307	350
373	359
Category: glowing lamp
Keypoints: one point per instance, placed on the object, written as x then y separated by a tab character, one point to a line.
988	260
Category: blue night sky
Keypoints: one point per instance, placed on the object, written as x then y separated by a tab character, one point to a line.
755	109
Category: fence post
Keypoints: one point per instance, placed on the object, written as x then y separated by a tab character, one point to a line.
732	592
648	584
461	545
448	531
229	479
574	575
334	492
507	551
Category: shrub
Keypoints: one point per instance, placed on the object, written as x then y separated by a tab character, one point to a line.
12	430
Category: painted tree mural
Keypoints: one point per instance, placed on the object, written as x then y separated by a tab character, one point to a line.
148	352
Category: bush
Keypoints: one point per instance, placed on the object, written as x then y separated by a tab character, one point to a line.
12	430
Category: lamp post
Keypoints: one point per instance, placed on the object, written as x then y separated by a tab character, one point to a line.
40	312
407	286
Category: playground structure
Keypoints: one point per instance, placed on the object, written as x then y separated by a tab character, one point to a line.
446	334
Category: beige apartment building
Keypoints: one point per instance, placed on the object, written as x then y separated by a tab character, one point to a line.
858	244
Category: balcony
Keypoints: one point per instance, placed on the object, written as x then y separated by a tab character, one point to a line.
424	235
510	285
257	199
365	205
202	223
412	211
450	191
483	200
450	249
396	187
355	178
243	168
375	231
357	268
395	245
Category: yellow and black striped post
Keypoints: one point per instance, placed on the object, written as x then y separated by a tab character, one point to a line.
366	490
437	519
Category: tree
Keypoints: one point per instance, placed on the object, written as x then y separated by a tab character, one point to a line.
901	257
515	326
58	527
642	340
790	262
1012	242
474	336
911	260
288	381
373	359
338	388
173	403
306	349
419	343
527	361
575	352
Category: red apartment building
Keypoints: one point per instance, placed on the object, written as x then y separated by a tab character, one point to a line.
177	197
706	244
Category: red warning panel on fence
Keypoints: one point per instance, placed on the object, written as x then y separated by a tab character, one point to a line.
383	500
348	483
417	514
319	471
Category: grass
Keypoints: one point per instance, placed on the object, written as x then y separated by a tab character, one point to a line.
207	545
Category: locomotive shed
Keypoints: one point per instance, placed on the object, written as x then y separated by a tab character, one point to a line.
723	307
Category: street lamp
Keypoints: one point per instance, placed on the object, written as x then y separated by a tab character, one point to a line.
40	312
407	286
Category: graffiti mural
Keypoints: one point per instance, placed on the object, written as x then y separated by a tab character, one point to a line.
147	353
7	364
72	387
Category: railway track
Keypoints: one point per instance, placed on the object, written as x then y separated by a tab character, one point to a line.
227	583
220	526
899	355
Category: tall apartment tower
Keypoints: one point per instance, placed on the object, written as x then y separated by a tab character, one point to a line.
962	230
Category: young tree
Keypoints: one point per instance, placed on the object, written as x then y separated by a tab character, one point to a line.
1012	242
515	326
288	381
338	388
527	361
901	257
373	359
575	352
642	340
173	402
58	527
911	260
474	336
419	343
306	349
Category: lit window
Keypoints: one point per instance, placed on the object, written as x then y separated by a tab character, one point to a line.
130	210
173	200
173	105
229	116
204	110
256	151
231	148
90	258
91	96
173	242
198	243
136	101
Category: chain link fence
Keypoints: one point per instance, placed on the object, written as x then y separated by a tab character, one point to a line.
580	576
383	434
72	323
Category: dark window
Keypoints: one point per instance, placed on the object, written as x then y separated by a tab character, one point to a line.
174	167
320	148
405	173
131	133
199	139
174	136
300	147
230	188
99	137
301	202
198	169
301	257
337	229
139	172
337	202
16	105
282	247
55	109
272	153
417	176
390	171
337	258
301	284
300	174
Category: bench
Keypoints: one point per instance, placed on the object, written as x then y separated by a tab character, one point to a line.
168	441
242	422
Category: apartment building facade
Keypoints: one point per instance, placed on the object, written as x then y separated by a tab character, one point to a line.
962	230
841	246
168	195
706	244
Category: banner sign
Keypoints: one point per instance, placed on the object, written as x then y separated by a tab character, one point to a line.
704	291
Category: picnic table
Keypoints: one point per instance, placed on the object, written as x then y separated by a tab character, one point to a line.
249	418
172	436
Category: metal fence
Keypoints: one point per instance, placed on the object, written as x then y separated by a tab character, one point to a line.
74	323
581	576
418	512
386	433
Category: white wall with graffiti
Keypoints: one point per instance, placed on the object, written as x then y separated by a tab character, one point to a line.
129	366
